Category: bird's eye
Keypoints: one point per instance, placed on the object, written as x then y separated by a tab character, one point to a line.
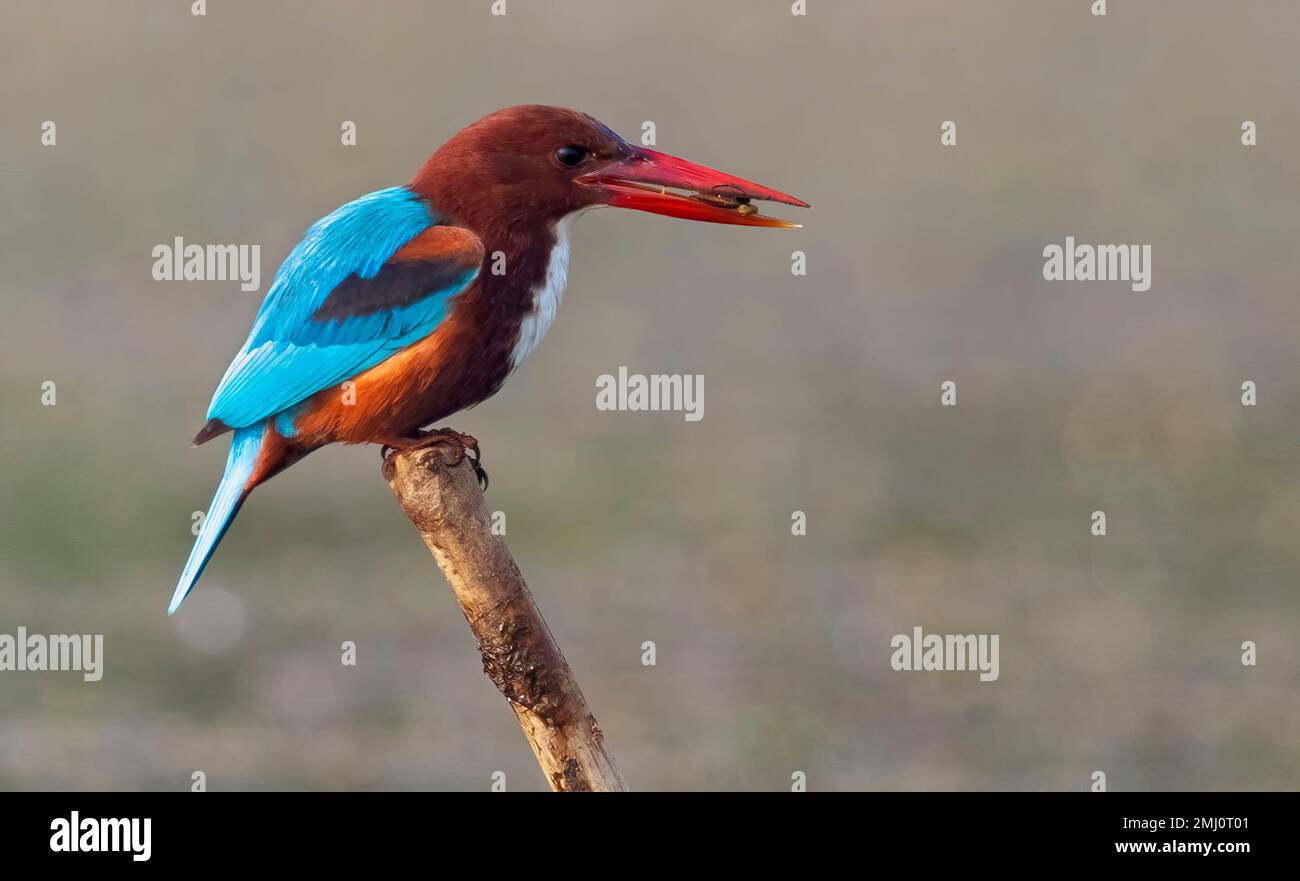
570	156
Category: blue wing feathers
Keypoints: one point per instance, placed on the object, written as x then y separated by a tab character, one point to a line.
289	356
357	238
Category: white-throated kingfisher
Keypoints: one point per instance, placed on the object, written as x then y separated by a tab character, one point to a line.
388	316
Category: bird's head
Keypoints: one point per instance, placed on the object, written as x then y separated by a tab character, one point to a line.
536	164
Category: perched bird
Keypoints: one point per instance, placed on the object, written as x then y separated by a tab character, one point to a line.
412	303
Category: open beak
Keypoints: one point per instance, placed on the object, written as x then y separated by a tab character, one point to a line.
644	180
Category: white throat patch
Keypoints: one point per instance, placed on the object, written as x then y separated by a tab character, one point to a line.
546	298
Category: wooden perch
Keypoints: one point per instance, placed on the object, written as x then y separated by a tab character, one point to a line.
439	492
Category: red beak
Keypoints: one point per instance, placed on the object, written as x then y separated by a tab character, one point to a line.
642	182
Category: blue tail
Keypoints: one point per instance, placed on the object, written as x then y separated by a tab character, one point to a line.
244	448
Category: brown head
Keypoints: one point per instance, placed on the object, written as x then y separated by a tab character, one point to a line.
529	166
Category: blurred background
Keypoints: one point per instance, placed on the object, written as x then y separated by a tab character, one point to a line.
1120	654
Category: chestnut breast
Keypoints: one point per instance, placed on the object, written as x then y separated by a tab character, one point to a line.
491	327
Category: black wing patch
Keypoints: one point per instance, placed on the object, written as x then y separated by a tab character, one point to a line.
395	286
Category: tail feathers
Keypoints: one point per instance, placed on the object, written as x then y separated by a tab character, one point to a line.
232	490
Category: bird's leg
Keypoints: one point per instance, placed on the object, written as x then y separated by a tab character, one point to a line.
464	443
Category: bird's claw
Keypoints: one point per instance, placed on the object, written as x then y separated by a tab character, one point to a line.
477	462
463	443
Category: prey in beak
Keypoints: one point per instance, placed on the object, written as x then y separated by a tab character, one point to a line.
663	184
